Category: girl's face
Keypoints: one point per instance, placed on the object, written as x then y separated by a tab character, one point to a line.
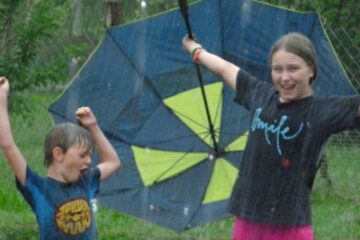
291	76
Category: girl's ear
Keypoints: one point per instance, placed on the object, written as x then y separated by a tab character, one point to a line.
312	75
311	79
58	154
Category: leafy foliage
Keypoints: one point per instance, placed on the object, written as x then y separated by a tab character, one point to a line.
334	13
43	42
27	29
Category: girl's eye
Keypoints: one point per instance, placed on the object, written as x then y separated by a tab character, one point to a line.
276	69
293	68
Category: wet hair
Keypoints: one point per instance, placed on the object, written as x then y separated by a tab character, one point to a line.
299	45
65	135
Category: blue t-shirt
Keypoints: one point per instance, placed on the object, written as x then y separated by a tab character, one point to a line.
280	159
62	210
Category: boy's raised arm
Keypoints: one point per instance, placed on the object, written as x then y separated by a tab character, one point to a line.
9	148
109	160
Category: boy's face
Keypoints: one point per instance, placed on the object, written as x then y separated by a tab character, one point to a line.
75	162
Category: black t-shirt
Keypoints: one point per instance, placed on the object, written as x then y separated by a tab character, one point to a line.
280	160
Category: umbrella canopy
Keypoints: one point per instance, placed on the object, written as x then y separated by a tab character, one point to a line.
143	89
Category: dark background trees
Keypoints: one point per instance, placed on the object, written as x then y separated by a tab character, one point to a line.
44	42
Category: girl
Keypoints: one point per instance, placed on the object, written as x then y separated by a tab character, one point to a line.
288	127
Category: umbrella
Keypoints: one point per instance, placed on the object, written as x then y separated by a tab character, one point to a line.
178	172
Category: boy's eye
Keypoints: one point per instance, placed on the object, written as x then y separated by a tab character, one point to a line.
84	154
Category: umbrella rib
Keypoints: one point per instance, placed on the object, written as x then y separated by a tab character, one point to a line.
218	109
170	167
229	134
110	134
177	138
118	138
135	67
189	118
215	131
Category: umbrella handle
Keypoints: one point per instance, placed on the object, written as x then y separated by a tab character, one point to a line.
184	11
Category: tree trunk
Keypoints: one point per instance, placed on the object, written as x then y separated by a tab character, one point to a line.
114	14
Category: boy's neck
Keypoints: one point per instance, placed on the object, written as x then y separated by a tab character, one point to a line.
54	174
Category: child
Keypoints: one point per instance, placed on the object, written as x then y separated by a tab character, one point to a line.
288	127
61	201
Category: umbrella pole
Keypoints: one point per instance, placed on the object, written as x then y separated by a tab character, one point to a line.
211	126
184	11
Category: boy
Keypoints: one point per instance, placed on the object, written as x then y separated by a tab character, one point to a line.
61	201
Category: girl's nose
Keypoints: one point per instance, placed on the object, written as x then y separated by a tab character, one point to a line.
284	76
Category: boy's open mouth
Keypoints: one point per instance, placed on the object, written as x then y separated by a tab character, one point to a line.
83	171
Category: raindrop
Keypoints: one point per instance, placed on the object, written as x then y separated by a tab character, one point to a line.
186	211
143	4
94	206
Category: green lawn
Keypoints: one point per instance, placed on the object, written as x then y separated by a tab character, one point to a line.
336	211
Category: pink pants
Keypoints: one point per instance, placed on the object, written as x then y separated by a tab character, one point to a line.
244	230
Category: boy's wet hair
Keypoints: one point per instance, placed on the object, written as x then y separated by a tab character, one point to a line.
65	135
299	45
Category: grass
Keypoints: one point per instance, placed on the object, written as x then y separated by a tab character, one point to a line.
336	211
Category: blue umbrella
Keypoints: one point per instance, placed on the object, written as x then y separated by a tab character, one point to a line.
144	91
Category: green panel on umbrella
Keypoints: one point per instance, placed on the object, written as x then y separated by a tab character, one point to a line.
239	143
222	181
189	107
157	165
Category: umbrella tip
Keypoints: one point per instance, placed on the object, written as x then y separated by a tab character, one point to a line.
211	156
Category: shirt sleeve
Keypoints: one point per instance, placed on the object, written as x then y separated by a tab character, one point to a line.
340	113
26	192
95	180
249	89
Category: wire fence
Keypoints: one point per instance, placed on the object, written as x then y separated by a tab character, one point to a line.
349	54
